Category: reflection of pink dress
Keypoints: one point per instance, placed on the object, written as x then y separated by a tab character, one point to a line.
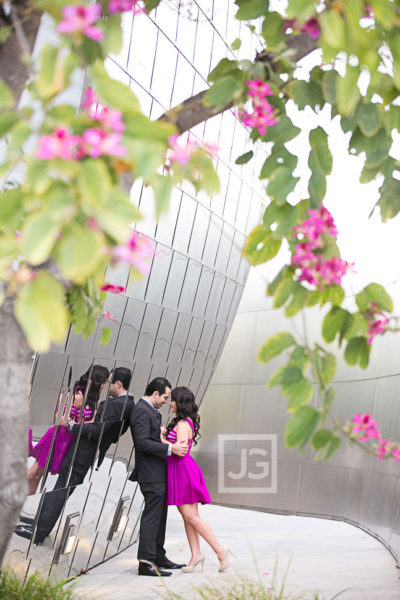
185	481
62	441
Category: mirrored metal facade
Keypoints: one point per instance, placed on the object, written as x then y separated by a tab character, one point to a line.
173	322
352	486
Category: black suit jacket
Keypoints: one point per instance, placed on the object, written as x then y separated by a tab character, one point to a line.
112	419
150	452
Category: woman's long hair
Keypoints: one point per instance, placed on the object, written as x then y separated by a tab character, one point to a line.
185	407
97	376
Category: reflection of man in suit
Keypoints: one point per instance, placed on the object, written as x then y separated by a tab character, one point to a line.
151	473
112	420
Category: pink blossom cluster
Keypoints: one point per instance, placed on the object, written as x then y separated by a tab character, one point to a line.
263	114
308	256
366	428
310	27
81	18
377	322
182	154
103	139
136	251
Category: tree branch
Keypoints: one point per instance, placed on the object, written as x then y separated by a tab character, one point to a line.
192	111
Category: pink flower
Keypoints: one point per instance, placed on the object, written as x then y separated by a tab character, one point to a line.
179	154
382	449
211	148
92	223
377	327
332	270
59	144
108	315
110	118
311	28
136	251
96	142
78	17
365	425
116	6
115	289
396	454
257	87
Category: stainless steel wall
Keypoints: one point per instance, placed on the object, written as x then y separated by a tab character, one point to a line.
353	486
173	322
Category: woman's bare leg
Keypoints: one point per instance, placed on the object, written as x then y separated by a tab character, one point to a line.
190	514
35	474
193	539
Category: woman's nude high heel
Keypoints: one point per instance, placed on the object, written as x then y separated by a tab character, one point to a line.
199	560
224	563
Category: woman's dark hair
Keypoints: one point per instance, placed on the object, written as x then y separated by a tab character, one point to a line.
185	407
97	375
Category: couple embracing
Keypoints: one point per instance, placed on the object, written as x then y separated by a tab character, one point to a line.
168	475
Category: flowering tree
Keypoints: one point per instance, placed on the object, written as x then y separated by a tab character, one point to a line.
66	178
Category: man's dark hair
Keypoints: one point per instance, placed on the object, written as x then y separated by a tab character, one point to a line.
159	384
123	375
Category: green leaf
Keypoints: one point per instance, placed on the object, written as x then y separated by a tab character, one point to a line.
113	93
329	398
244	158
357	351
48	81
251	9
106	334
299	300
328	368
261	246
95	182
6	96
285	376
384	13
282	132
333	445
151	4
300	9
333	323
224	67
115	214
11	210
7	121
38	237
334	294
113	35
283	292
298	358
41	312
333	29
369	119
322	154
392	119
306	93
321	438
223	93
285	217
280	157
139	126
376	147
274	346
374	293
300	393
355	325
271	31
329	86
347	92
281	184
284	273
389	202
236	44
301	426
79	253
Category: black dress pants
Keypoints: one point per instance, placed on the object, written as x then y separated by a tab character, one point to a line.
153	523
54	501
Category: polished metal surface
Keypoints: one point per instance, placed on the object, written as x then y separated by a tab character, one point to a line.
174	321
353	486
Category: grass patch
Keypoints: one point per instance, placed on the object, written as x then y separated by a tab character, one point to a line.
36	587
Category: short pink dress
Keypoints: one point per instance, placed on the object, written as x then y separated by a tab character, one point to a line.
185	481
62	441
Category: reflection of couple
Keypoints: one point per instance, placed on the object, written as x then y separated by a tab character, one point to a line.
168	475
111	420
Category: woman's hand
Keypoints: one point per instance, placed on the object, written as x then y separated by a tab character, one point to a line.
163	433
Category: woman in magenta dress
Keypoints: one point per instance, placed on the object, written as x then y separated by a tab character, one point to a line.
58	439
185	482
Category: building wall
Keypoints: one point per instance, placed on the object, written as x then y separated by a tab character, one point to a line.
353	485
175	321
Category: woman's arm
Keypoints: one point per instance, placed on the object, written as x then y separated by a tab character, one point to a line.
183	431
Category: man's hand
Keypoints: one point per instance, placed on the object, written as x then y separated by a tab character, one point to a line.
64	421
180	448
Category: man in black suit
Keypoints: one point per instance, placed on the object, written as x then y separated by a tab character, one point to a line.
151	473
111	420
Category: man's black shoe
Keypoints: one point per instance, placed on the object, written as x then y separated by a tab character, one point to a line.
24	531
26	520
152	571
169	564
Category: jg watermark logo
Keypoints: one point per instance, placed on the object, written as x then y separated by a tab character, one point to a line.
247	463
